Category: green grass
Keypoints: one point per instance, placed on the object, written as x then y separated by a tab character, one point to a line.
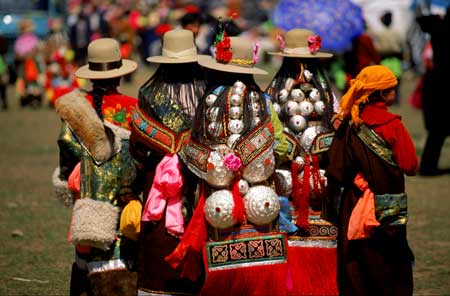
42	255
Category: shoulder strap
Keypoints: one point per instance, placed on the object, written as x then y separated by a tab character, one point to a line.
375	143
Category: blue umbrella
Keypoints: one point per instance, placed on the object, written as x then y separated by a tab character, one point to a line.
336	21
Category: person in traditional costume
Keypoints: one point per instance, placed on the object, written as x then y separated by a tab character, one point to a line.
161	126
302	97
369	155
233	236
29	65
97	175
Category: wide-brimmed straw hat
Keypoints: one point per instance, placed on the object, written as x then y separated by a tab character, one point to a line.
105	61
178	48
241	61
301	43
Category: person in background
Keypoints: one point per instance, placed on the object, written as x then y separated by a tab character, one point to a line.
389	45
96	175
435	97
369	156
362	54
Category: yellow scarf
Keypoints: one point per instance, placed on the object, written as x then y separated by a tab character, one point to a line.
370	79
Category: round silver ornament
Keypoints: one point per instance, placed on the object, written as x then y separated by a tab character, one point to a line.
236	126
238	90
239	84
306	87
314	95
297	95
235	100
256	121
284	180
219	209
306	108
319	107
308	75
260	168
235	112
212	113
309	135
283	96
232	139
215	129
289	83
297	123
276	108
261	205
210	99
243	186
291	108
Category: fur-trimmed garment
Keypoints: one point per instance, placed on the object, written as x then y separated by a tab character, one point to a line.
94	223
84	122
107	176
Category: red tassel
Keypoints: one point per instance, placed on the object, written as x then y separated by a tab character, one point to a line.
296	188
303	203
313	271
238	210
260	280
187	255
316	176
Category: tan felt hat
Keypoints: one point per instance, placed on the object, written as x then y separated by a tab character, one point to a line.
296	45
178	48
105	61
241	61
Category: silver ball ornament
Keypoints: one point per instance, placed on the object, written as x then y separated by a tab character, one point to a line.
306	108
235	112
210	99
276	108
297	95
235	100
219	209
291	108
235	126
319	107
283	96
297	123
314	95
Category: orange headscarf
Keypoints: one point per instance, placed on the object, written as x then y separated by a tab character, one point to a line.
370	79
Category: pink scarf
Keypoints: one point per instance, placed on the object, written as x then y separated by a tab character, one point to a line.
165	194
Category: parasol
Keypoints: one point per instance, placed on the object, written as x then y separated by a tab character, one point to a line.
25	44
337	22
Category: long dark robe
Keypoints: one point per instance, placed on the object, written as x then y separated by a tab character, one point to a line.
381	264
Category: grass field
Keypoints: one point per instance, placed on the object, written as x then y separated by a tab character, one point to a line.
35	258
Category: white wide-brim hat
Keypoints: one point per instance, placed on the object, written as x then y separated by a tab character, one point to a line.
297	46
178	48
105	61
241	61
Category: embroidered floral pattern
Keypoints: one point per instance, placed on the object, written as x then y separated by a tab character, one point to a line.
118	115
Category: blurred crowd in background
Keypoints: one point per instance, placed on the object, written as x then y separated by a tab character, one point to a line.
42	66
